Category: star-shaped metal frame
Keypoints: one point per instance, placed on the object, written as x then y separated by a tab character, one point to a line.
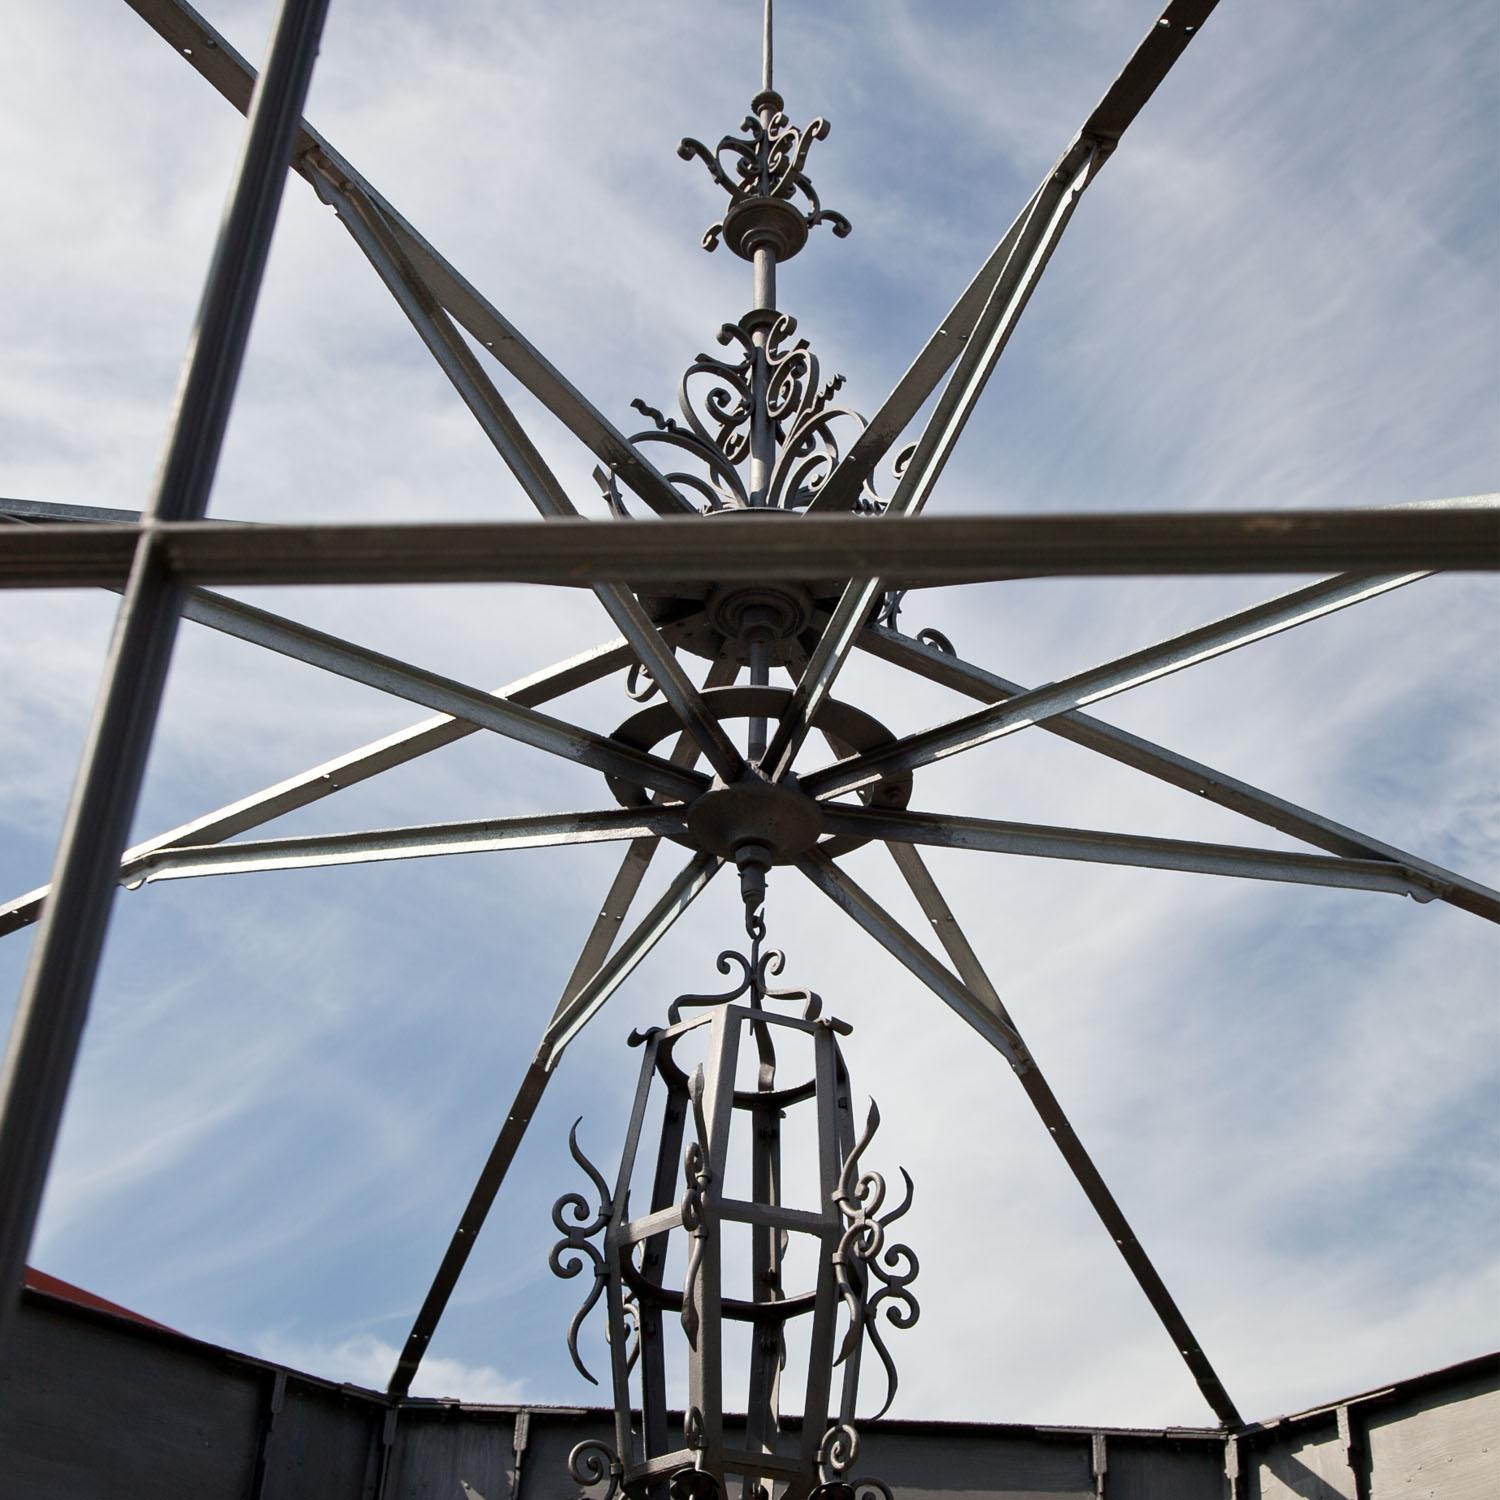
161	559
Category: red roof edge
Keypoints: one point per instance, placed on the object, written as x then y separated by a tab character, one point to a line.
54	1286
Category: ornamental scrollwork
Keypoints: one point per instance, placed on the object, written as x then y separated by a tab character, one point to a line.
768	161
888	613
862	1256
697	1176
836	1455
592	1462
755	974
576	1251
717	400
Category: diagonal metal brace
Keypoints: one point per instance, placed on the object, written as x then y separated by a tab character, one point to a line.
1046	219
1181	771
572	1013
209	54
590	966
854	901
1189	649
375	238
1038	841
1051	1113
350	769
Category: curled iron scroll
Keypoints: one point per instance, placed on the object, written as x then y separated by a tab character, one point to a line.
695	1170
580	1223
592	1461
862	1255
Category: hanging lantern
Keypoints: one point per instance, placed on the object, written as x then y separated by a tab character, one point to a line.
699	1251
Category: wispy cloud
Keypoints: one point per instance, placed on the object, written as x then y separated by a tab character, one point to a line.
368	1361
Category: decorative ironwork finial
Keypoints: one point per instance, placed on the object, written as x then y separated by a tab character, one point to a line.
772	202
764	174
777	376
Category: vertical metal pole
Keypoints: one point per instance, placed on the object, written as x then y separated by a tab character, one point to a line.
760	676
616	1252
762	1416
763	314
718	1112
655	1432
50	1015
762	429
832	1103
760	321
765	50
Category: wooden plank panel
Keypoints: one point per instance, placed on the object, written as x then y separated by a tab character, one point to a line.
458	1455
322	1443
1163	1469
89	1411
1305	1463
1445	1444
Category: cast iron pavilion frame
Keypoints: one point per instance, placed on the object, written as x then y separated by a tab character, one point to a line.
163	558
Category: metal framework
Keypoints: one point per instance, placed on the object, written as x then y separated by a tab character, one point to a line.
805	562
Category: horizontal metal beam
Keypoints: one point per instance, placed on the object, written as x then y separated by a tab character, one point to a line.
481	836
1177	25
209	54
33	511
1181	771
1104	681
905	551
651	645
350	769
955	831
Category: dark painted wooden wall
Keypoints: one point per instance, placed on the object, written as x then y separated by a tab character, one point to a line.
95	1407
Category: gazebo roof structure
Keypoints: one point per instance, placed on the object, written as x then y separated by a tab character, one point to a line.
701	590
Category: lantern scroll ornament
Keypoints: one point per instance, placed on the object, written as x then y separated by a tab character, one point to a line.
716	1208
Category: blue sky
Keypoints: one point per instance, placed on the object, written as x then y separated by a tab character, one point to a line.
1281	292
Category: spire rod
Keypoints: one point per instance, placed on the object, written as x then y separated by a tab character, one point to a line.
765	51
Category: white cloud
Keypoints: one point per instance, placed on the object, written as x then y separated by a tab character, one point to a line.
368	1361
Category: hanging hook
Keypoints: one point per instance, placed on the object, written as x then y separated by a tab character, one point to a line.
754	861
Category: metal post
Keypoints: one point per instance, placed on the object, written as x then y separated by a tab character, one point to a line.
765	49
48	1026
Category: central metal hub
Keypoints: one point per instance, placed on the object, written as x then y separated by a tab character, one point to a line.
778	816
775	614
755	811
714	619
